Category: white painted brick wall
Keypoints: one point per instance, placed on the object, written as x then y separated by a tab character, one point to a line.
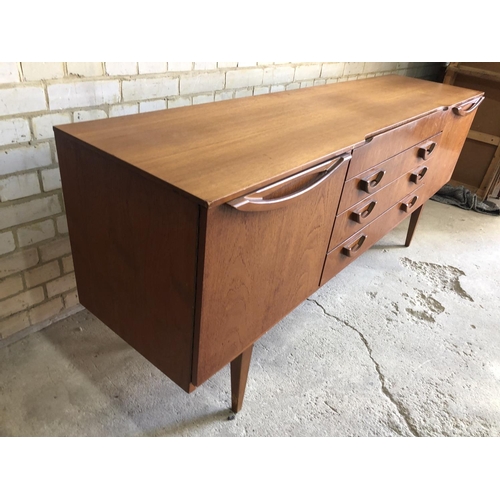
42	125
9	72
13	131
146	68
34	71
201	82
87	115
85	68
14	215
35	233
7	243
25	99
278	74
332	70
62	224
179	102
121	68
202	99
179	66
123	109
19	186
244	78
204	66
157	105
25	158
83	94
307	72
149	88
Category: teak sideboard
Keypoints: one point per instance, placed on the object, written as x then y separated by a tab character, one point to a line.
195	230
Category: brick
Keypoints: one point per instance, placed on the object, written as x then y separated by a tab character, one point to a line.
9	72
332	70
71	299
14	324
319	81
17	262
62	224
149	88
85	68
260	90
353	68
83	94
42	125
68	265
278	74
265	63
20	213
224	95
123	109
146	106
246	64
307	72
227	65
243	93
21	100
10	286
308	83
55	249
204	66
293	86
244	78
179	102
180	66
202	99
146	68
88	115
25	158
14	130
60	285
42	274
46	311
21	301
19	186
277	88
121	68
374	67
51	179
42	70
35	233
7	243
194	83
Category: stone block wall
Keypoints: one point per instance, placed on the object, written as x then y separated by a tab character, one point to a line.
37	282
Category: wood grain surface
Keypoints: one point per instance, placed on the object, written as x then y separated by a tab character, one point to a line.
215	152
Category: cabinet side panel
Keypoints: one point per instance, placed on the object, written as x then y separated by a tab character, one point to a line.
134	245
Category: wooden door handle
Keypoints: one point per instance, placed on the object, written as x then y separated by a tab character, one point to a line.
363	213
351	250
417	176
256	202
426	150
370	183
468	107
408	205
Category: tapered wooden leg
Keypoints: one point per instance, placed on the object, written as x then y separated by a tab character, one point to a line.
413	224
239	375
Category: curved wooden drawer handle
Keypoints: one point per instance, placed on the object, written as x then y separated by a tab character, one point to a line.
255	201
416	177
363	213
407	206
462	110
426	150
350	251
370	183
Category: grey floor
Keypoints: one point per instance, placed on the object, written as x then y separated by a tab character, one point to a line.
404	342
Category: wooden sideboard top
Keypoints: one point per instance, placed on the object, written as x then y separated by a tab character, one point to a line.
217	151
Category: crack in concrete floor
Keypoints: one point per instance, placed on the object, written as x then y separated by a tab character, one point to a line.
400	409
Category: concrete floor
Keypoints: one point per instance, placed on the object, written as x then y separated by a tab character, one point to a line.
404	342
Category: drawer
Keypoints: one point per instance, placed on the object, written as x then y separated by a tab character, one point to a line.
361	214
382	146
366	183
345	253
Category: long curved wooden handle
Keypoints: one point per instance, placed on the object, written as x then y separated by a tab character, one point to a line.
463	110
255	201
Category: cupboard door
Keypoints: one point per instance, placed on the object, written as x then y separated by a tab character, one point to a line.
263	257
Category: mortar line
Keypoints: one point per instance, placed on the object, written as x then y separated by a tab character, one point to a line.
401	410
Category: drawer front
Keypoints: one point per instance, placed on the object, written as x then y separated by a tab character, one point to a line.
390	143
367	183
345	253
361	214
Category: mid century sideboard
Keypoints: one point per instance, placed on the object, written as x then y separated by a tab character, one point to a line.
195	230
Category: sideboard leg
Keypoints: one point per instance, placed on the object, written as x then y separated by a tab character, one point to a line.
239	375
413	224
